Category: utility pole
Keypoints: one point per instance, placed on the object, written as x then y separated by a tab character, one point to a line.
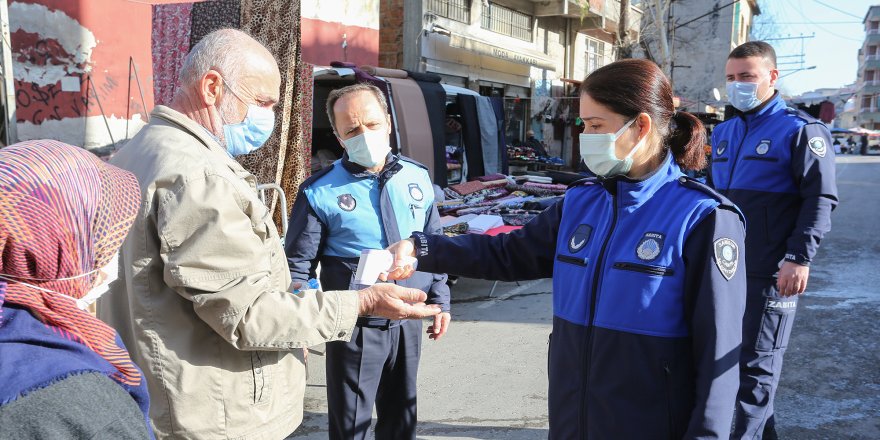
623	48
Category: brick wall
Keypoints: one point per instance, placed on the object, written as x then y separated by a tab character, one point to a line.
391	33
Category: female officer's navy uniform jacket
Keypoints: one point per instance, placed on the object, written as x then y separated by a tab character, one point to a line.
648	298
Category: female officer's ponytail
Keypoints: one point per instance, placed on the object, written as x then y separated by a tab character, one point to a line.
633	86
686	140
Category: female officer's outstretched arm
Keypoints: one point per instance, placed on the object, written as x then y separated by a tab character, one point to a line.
715	300
524	254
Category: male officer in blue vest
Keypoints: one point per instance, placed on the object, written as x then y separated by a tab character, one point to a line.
777	165
367	200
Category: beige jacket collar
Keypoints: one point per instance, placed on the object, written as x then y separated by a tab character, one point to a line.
197	131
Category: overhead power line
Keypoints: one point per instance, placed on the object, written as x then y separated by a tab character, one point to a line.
838	10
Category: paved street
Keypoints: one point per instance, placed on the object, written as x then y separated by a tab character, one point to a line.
487	378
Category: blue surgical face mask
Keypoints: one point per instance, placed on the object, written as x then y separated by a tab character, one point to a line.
246	136
598	150
251	133
369	148
743	95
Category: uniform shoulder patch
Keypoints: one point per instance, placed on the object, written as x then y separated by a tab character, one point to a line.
818	146
721	148
726	257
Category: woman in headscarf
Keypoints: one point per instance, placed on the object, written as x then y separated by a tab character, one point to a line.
63	373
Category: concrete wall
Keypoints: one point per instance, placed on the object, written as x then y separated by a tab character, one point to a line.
700	51
324	29
61	48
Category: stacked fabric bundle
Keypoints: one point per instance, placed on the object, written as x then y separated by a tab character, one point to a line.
496	200
483	223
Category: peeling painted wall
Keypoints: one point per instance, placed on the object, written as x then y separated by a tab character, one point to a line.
69	55
325	29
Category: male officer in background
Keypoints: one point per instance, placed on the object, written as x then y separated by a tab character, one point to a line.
367	200
777	165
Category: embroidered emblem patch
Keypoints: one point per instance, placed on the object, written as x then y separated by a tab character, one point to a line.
415	192
818	147
650	246
763	147
722	147
726	257
579	238
346	202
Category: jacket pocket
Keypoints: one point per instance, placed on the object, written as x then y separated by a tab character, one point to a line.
644	268
260	377
762	158
577	261
670	398
776	324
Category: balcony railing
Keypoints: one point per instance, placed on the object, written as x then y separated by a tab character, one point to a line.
872	82
872	57
872	31
867	109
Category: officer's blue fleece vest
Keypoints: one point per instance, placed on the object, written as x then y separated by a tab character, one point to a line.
753	152
352	207
627	248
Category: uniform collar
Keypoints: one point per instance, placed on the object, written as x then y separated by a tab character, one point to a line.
357	170
771	106
634	192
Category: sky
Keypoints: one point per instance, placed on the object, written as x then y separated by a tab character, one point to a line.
839	33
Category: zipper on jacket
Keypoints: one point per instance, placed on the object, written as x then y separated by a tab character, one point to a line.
600	261
572	260
644	268
735	159
667	373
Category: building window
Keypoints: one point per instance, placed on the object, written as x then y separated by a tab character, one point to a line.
458	10
506	21
595	54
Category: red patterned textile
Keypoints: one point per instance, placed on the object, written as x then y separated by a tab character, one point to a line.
171	37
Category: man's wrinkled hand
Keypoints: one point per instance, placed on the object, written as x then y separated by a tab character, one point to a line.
395	302
441	325
792	279
403	252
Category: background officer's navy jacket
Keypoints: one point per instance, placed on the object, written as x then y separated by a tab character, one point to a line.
777	165
344	209
648	299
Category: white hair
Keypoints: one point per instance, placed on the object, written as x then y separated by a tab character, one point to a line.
224	50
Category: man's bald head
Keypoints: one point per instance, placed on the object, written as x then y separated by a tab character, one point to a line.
224	74
230	52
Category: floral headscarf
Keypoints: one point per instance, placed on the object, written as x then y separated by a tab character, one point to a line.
63	214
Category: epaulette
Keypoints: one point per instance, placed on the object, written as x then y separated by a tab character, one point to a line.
314	177
806	117
583	182
723	202
412	161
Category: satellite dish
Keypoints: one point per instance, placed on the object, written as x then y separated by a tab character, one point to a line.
716	93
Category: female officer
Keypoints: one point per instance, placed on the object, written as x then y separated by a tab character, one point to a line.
647	266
